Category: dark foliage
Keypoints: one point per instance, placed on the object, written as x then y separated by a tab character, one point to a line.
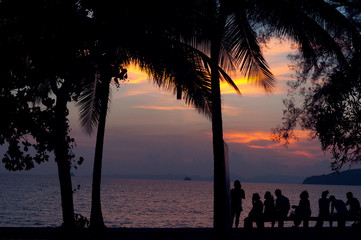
45	58
331	101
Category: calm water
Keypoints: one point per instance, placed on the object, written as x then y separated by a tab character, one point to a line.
29	201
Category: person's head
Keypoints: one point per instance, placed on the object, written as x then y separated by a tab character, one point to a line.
304	195
332	198
255	197
278	192
324	193
267	195
349	195
237	184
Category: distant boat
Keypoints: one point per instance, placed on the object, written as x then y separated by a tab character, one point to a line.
187	179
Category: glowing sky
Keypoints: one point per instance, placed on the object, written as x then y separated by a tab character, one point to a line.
150	132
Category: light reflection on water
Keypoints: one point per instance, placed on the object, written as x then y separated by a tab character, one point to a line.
35	200
156	203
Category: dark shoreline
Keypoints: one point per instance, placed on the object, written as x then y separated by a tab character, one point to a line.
32	233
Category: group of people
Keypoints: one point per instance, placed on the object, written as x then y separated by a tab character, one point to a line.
339	209
272	210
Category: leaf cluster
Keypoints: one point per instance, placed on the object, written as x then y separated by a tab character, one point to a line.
328	106
40	61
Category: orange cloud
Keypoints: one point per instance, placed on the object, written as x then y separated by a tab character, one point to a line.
136	75
250	138
255	146
245	137
302	153
162	108
229	110
248	87
298	153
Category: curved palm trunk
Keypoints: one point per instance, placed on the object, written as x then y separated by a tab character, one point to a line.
96	216
221	206
62	160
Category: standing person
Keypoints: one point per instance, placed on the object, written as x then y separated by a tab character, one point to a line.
324	209
269	213
282	207
302	211
256	214
341	211
237	194
354	204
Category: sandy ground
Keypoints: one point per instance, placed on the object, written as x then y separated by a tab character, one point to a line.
178	234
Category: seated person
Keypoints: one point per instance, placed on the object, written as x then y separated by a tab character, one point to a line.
341	211
302	211
269	213
354	204
324	209
256	213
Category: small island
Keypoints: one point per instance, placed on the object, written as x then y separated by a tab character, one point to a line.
187	179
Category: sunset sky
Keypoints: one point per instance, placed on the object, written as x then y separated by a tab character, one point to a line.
149	131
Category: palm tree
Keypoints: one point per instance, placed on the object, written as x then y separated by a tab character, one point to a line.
225	31
232	44
173	65
93	103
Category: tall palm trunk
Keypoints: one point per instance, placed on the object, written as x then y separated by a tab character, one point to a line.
221	207
62	159
96	216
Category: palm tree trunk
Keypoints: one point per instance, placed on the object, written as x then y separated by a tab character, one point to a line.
221	206
96	216
62	160
220	194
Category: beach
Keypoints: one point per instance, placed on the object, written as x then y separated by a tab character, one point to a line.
177	234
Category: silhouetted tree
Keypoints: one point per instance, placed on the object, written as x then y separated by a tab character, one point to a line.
172	64
93	103
43	62
329	94
222	31
229	28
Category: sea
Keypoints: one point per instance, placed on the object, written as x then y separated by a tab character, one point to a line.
34	201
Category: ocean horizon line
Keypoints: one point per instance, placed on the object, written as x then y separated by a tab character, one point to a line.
271	178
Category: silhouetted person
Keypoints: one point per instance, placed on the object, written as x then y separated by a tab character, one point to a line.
256	213
302	211
237	194
324	209
341	212
282	207
354	204
269	213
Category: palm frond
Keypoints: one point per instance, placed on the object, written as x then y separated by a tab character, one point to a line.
90	101
241	41
174	66
206	62
301	23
